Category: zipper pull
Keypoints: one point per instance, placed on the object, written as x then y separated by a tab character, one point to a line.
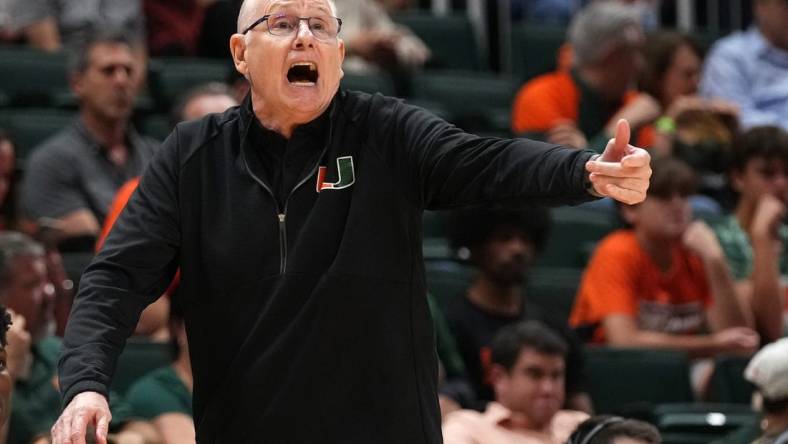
282	218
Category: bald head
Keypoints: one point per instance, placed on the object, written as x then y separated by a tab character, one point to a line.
251	10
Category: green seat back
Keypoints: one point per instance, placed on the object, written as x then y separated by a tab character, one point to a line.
727	382
169	78
30	126
535	49
553	290
573	235
31	77
450	39
138	358
627	381
369	83
447	280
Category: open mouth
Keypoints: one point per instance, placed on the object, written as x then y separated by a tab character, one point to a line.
302	73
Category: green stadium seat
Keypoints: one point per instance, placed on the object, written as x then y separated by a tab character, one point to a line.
447	280
156	126
477	100
535	49
138	358
369	83
553	290
701	421
727	382
451	40
574	233
29	127
632	381
169	78
31	77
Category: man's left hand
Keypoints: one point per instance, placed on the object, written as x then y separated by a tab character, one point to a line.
623	171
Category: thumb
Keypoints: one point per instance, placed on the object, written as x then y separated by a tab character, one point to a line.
617	149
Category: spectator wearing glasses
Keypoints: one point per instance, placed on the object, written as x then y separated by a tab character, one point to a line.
294	220
664	282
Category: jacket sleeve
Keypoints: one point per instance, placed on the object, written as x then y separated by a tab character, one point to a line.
132	270
444	167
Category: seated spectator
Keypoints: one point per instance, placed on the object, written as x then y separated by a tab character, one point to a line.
503	245
528	363
32	350
754	236
8	202
750	68
173	27
768	371
614	430
664	282
71	178
164	396
580	107
374	42
194	104
54	24
6	384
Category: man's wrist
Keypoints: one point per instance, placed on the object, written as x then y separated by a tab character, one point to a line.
589	186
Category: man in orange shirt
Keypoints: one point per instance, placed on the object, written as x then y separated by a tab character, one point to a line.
580	107
663	283
527	371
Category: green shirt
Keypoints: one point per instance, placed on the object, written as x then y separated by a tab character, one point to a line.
160	391
35	402
736	244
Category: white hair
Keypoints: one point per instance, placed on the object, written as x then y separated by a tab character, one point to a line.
600	27
245	15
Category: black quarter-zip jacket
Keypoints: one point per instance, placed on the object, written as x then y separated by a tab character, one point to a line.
307	319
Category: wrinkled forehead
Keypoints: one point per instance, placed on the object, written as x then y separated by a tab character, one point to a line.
314	6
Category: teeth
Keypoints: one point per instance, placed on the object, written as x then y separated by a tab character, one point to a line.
311	65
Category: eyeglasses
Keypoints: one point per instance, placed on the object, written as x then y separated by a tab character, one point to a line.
286	25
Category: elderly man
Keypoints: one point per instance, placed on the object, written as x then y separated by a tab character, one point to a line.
295	219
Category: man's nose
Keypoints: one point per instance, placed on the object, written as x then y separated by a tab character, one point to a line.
304	35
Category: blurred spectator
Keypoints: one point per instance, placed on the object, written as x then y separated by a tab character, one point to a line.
503	245
694	129
527	372
8	198
751	68
607	429
374	42
768	371
71	178
173	26
6	384
194	104
164	396
754	236
664	282
53	24
581	107
32	351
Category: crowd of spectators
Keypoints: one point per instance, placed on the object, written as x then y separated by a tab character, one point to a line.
715	124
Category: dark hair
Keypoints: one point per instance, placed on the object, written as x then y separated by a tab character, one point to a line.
471	227
660	51
669	176
512	339
604	429
12	246
78	59
5	323
8	208
765	142
775	406
207	89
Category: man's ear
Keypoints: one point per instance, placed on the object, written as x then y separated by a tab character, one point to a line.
341	57
75	82
238	51
498	377
736	180
629	213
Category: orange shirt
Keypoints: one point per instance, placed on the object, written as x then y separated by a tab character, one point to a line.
622	279
551	98
118	204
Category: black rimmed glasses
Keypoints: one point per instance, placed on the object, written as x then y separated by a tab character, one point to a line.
286	25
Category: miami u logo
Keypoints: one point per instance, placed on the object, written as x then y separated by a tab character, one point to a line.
347	175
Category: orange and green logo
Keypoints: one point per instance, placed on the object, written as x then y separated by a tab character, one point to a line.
345	171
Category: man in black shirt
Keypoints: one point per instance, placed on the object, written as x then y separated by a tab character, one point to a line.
317	290
503	244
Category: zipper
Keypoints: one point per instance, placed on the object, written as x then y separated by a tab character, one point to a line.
282	215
